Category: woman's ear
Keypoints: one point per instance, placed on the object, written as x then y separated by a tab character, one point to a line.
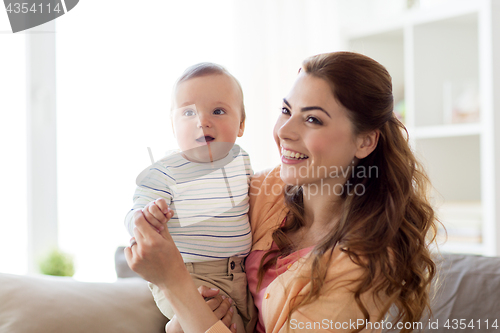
367	143
242	129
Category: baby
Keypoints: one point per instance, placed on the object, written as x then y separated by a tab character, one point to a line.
206	186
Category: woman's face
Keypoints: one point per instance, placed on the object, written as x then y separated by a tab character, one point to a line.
315	137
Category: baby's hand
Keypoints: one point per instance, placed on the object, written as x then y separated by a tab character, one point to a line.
157	213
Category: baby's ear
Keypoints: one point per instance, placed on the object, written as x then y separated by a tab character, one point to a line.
242	129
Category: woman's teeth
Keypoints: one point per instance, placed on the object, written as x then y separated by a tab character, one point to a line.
293	155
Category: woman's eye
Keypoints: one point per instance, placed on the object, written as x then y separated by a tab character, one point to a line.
188	113
313	120
285	111
219	111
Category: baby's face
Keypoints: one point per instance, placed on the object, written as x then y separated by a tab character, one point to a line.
207	117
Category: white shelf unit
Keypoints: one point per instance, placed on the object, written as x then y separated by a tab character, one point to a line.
437	56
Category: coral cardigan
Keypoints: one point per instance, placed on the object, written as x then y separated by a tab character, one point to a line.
336	309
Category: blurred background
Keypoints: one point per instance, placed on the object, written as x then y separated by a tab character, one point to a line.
82	97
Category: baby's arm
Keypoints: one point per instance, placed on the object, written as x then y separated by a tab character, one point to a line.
155	184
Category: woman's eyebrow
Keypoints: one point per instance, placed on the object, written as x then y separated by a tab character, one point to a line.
308	108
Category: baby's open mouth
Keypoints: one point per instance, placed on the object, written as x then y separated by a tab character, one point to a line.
206	138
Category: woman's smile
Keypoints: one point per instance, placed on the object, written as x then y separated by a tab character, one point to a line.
289	156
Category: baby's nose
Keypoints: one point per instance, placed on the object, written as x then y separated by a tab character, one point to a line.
204	121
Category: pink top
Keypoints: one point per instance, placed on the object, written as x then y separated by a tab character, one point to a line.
337	302
252	268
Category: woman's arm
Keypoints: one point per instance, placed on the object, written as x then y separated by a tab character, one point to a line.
220	305
156	258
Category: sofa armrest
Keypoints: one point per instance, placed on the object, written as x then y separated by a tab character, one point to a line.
467	290
61	305
121	266
467	287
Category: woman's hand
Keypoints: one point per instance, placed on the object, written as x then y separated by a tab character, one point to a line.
154	256
219	304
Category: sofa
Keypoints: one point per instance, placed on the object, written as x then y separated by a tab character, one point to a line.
49	304
468	289
466	296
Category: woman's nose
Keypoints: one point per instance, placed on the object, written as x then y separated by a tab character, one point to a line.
287	129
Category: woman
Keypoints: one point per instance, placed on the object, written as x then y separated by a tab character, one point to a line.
346	239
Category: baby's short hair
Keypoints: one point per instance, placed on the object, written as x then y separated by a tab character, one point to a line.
203	69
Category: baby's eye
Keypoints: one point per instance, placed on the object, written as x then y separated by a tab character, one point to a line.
285	111
313	120
219	111
188	113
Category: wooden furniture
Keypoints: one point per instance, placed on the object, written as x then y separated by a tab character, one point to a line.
445	64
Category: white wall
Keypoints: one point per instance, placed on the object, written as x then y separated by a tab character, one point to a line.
115	69
272	40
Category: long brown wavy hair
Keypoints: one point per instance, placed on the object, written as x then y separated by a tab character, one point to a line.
388	229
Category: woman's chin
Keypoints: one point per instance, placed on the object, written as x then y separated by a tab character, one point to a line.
289	176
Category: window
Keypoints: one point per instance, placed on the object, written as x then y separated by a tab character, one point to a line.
13	197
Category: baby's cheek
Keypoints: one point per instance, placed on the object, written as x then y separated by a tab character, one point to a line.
229	132
184	140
